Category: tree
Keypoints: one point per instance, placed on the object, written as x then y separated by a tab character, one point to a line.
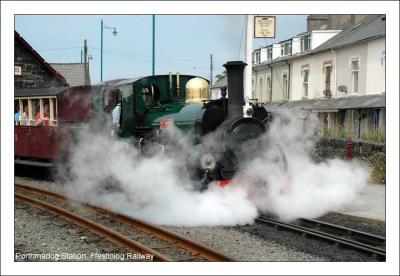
220	76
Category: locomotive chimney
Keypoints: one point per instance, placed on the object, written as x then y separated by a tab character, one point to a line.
234	71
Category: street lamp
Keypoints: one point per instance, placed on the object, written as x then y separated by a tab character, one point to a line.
103	26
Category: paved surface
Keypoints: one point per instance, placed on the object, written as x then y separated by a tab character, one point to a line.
369	204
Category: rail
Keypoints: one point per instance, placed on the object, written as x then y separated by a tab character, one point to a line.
364	247
197	249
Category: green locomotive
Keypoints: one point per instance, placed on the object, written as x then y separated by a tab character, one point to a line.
152	104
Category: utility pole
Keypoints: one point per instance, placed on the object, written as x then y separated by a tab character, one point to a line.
81	56
85	73
211	70
154	44
101	51
249	52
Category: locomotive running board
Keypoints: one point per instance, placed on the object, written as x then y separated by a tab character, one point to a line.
33	163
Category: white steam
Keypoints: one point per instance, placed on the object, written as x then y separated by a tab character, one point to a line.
279	178
283	180
156	189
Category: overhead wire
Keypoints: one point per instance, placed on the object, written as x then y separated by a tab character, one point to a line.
241	37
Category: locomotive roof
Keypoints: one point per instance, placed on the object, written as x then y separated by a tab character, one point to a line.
47	91
118	82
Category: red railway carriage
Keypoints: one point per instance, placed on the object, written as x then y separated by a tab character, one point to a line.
46	119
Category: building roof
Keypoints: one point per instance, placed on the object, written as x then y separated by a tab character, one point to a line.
372	27
74	73
41	60
31	92
332	104
45	91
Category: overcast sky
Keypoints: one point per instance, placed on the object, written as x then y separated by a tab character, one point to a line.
183	42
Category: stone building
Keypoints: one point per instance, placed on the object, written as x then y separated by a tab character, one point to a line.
31	70
74	73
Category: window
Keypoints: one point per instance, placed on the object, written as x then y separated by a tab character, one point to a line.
306	73
53	111
35	120
269	86
286	48
354	73
261	88
257	57
269	53
252	86
306	43
25	113
328	71
383	57
285	81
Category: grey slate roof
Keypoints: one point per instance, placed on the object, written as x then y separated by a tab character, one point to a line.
31	92
372	27
351	102
72	72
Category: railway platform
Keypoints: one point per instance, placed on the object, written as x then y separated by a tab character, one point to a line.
370	203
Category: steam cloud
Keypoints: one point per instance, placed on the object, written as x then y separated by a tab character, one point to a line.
279	178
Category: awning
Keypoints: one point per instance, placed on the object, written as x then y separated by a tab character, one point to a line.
332	104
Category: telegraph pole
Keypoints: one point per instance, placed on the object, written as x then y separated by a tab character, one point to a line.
154	43
211	70
101	51
249	53
85	56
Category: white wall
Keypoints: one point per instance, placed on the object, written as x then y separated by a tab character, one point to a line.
276	51
296	45
316	78
263	57
321	36
376	67
216	93
344	71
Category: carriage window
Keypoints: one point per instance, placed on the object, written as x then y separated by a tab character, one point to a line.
53	112
35	119
17	114
45	112
24	112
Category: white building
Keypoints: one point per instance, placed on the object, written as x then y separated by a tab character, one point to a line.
324	65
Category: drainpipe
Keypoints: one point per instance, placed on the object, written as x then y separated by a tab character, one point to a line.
272	77
334	72
290	75
359	123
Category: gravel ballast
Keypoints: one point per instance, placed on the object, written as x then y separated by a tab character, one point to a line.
42	237
245	243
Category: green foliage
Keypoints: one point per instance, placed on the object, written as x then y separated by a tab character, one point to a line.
369	136
378	163
338	132
374	136
220	76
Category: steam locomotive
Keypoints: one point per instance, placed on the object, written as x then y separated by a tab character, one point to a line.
150	106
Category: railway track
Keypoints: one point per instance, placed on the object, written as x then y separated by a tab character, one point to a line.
134	235
340	236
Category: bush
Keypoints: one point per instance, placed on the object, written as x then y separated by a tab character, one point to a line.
374	136
378	163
